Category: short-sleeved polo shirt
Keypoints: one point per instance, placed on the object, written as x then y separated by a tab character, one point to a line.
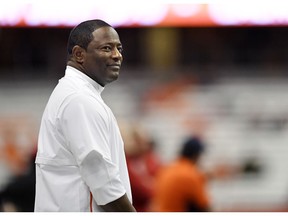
80	149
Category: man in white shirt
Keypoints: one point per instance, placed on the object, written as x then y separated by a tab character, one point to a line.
80	163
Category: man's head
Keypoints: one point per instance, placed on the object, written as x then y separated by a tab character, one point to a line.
95	49
192	148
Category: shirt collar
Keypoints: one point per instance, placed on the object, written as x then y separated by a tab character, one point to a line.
71	71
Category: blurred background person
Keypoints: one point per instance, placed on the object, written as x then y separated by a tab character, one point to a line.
181	186
143	164
17	156
19	194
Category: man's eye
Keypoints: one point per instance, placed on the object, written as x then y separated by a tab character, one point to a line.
106	48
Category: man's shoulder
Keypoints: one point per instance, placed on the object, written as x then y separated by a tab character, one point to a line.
70	87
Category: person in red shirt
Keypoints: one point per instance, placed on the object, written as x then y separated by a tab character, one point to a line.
143	164
181	186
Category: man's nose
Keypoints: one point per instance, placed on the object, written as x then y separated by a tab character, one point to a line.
116	53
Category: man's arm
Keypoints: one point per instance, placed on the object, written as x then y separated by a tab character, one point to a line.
120	205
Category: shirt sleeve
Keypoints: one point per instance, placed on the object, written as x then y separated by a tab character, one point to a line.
85	124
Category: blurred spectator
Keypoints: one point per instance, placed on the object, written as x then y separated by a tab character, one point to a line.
181	186
17	156
19	194
143	163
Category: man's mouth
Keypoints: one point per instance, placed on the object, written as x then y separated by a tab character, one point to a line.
115	66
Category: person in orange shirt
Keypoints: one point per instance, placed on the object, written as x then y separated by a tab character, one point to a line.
181	187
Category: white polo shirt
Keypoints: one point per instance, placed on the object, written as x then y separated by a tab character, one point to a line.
80	149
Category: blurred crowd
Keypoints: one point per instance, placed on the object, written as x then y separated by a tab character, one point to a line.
17	169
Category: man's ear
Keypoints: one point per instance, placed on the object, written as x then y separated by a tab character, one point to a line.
78	54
